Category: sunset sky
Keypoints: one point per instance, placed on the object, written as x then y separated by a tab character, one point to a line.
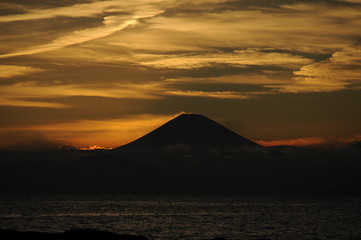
92	72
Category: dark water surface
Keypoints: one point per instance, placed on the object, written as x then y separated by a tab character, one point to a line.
189	217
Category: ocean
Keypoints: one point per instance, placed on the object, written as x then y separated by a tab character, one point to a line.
188	217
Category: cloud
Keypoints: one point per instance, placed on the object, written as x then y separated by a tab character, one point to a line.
301	142
111	24
352	1
11	8
181	34
260	28
169	54
31	93
258	78
310	141
202	2
76	10
222	95
326	10
75	38
12	101
9	71
340	71
238	58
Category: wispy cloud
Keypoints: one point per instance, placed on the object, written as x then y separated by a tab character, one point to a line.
352	1
111	24
9	71
238	58
12	7
220	94
76	10
259	78
338	72
94	8
260	28
13	101
31	93
310	141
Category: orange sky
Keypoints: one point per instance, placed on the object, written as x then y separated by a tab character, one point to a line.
94	72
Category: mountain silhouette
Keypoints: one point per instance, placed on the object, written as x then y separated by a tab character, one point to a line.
190	131
189	154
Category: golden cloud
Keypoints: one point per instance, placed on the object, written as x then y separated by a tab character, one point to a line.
352	1
264	77
342	69
94	8
30	93
111	24
220	94
9	71
185	40
239	58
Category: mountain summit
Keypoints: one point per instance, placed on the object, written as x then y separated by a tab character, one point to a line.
191	130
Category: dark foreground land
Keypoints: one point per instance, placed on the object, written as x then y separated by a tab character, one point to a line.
184	170
71	234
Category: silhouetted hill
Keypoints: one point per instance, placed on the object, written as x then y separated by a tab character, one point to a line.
190	131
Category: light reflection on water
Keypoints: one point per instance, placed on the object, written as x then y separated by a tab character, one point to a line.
189	217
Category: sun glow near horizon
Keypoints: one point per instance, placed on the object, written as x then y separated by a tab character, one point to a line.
109	134
92	134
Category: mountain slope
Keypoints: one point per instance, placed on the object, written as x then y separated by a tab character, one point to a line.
190	130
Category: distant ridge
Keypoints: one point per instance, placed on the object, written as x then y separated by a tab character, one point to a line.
190	130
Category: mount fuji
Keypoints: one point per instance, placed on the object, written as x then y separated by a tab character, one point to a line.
190	130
